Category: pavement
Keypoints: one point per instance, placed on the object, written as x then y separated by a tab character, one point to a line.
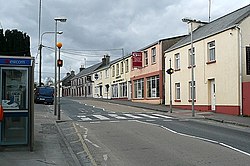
52	142
49	145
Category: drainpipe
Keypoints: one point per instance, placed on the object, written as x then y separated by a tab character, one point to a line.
240	66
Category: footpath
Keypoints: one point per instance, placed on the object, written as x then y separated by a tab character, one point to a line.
51	146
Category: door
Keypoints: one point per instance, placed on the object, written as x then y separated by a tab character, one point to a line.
101	90
14	99
213	95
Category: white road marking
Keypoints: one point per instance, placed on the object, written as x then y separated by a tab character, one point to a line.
149	116
133	116
163	116
116	116
81	116
207	140
150	120
86	119
101	117
95	122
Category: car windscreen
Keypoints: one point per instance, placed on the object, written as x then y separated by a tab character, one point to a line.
46	91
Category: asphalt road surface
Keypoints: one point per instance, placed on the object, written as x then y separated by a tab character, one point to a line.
120	135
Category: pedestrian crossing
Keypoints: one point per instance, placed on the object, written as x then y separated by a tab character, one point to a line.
123	116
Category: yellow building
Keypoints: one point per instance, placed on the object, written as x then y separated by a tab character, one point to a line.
221	66
113	80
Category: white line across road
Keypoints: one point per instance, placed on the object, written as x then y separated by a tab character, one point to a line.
149	116
117	116
163	116
133	116
101	117
125	116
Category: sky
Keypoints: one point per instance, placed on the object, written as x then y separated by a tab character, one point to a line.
96	27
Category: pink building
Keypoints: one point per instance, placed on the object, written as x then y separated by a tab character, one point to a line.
148	80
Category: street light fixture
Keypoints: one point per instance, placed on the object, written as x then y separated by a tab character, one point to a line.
60	19
191	21
40	56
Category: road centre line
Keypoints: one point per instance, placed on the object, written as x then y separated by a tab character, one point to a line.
207	140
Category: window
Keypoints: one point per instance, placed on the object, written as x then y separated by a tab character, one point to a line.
127	67
113	70
123	89
190	57
153	55
211	51
177	61
190	90
114	89
122	68
145	58
153	86
139	88
177	91
107	73
89	90
117	69
248	60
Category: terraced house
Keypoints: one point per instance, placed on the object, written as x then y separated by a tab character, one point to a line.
147	79
221	52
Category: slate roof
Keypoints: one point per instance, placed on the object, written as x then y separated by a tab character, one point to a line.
113	62
219	25
66	80
88	70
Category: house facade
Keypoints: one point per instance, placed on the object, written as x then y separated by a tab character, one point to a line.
148	80
66	84
120	85
221	78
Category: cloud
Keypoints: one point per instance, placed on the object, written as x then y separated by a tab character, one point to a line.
103	25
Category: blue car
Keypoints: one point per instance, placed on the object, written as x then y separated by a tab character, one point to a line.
44	95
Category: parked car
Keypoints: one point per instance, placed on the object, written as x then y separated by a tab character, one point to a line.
44	95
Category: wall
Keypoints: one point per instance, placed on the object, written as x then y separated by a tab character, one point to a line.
245	31
225	72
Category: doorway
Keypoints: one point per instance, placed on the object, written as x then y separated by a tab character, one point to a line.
213	95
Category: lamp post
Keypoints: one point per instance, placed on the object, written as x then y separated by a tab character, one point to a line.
40	56
191	21
59	65
55	82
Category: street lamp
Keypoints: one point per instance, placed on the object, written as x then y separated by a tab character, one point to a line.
191	21
55	96
40	56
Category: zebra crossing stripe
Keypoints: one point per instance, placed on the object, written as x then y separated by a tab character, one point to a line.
101	117
149	116
116	116
163	116
86	119
133	116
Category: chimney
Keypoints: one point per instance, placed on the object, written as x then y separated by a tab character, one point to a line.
72	72
105	60
68	74
196	25
82	68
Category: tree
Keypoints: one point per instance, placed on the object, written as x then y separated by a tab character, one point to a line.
14	43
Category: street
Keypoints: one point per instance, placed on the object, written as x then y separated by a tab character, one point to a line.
112	134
